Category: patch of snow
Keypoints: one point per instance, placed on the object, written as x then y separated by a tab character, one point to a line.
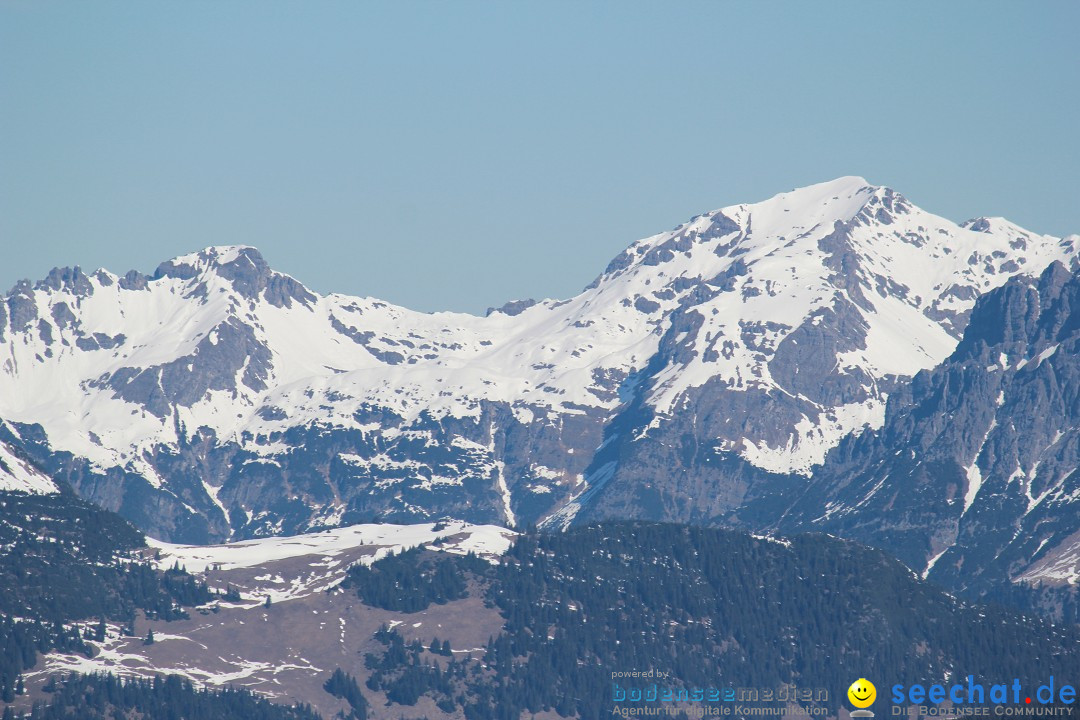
17	474
483	539
933	561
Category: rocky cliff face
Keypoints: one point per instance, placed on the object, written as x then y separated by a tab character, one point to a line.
971	479
707	367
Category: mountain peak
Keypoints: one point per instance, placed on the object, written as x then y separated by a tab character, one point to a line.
213	257
244	268
765	225
843	185
847	186
841	199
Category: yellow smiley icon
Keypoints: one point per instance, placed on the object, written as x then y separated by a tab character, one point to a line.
862	693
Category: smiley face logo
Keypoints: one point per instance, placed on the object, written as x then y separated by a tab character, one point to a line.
862	693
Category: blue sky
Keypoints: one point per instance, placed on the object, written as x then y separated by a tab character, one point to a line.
454	155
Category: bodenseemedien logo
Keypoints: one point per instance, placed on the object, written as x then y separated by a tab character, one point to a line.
862	695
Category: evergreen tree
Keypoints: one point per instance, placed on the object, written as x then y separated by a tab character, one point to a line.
344	686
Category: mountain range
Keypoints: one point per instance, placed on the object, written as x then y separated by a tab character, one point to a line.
832	358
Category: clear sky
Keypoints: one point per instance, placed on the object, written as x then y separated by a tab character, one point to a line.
454	155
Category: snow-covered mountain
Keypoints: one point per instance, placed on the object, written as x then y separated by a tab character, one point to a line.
218	398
